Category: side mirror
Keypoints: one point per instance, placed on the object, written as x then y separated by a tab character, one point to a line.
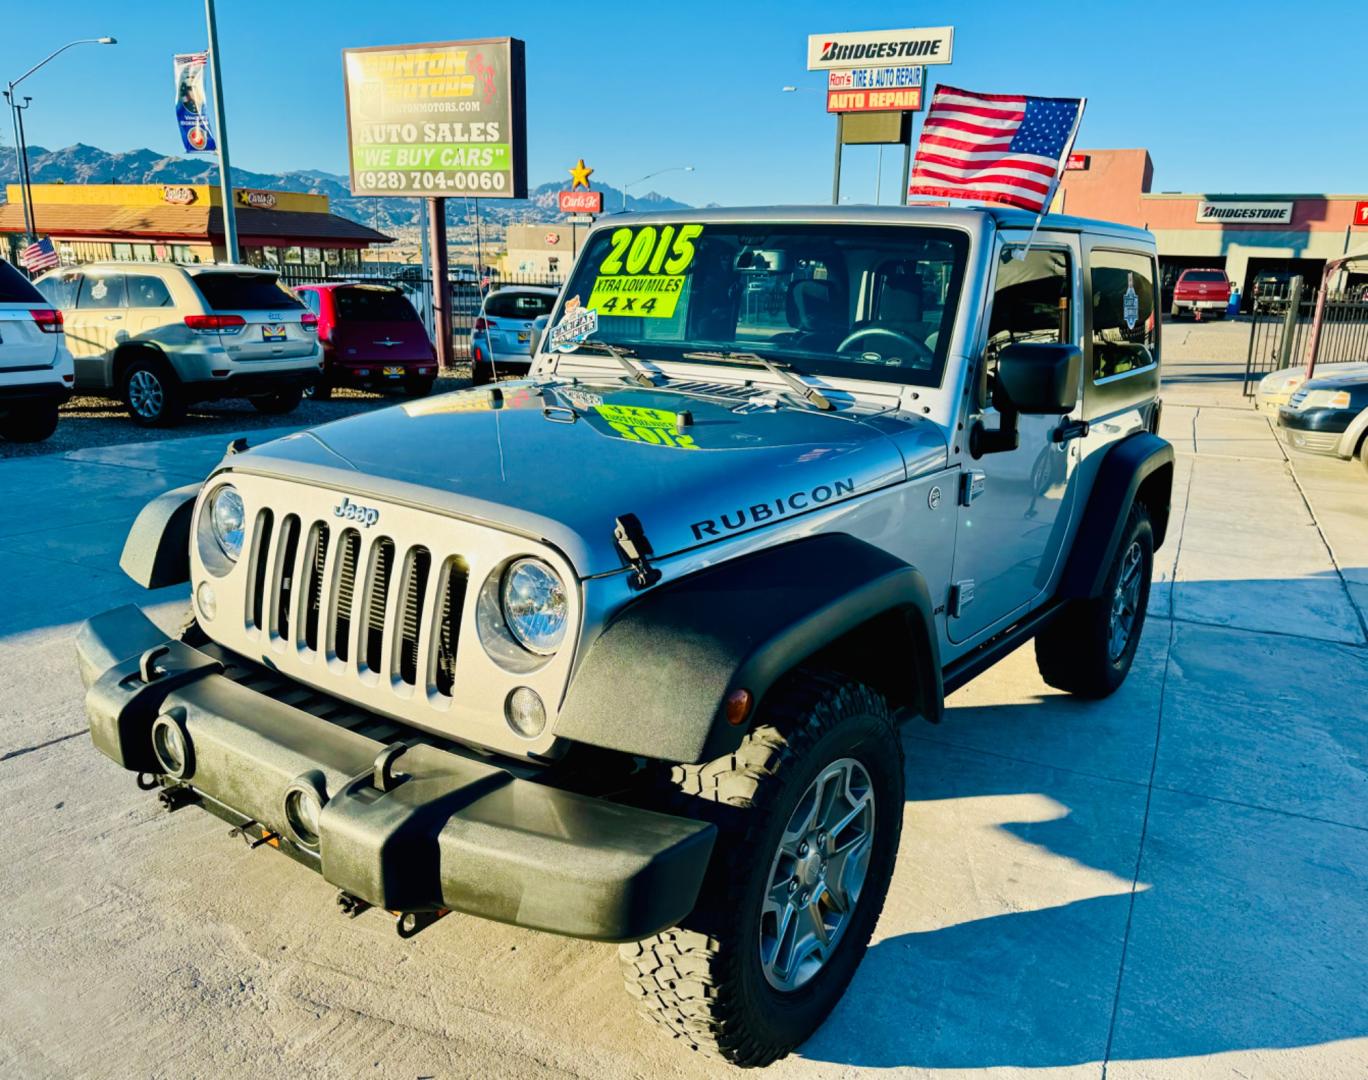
538	328
1039	379
1035	379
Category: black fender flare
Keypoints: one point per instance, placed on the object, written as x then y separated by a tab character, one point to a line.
655	681
157	550
1139	461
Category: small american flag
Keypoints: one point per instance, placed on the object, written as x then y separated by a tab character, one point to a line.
40	255
994	147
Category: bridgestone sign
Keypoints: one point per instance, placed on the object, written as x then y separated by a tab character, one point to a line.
1245	213
880	48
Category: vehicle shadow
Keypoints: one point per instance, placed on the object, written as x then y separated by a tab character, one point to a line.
1006	949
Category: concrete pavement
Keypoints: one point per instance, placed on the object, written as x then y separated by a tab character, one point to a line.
1169	883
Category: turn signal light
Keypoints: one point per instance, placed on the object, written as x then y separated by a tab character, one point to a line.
737	707
309	321
481	323
49	320
214	324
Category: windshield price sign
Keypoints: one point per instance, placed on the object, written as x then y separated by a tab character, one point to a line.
442	119
644	270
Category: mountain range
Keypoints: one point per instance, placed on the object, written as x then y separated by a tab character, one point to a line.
82	164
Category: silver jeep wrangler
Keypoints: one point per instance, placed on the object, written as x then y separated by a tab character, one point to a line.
621	650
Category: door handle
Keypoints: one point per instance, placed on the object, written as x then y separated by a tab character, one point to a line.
112	317
1069	429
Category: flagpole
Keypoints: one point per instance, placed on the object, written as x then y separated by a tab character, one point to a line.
1020	252
230	234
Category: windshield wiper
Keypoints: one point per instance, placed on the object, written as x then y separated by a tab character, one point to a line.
809	393
621	355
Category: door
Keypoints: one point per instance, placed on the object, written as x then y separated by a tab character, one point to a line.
149	307
99	320
1014	504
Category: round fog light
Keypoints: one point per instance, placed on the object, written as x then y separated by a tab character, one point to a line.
206	600
171	746
302	807
525	712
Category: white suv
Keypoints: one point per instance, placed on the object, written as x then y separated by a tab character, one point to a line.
35	367
161	336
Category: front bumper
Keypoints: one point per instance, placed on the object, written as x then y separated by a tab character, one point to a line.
1319	431
407	826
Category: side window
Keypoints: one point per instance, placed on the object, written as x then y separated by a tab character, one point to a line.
1031	302
310	298
1124	335
145	291
102	291
60	290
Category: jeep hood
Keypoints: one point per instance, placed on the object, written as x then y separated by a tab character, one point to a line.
561	463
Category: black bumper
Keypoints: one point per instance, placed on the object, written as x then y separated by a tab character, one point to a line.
433	830
26	395
251	384
1329	421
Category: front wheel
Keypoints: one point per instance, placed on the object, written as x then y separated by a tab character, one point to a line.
36	423
279	403
809	811
1089	648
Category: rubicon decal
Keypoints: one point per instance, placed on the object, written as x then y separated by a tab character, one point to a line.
744	517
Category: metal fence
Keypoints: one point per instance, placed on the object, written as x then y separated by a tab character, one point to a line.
467	289
1282	329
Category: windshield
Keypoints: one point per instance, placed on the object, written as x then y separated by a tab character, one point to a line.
512	304
1203	275
859	301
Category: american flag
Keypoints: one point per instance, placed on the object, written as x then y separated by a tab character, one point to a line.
40	255
994	147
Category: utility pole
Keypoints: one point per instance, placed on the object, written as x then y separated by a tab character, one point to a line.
21	165
441	292
230	237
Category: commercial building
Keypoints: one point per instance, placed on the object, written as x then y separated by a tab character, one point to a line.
542	250
184	223
1243	233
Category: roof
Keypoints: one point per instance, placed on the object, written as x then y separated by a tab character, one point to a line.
188	222
966	216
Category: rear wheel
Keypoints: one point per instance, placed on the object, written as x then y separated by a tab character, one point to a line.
1089	648
480	374
809	811
417	388
34	424
152	393
279	403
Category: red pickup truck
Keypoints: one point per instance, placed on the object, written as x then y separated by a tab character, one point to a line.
1201	293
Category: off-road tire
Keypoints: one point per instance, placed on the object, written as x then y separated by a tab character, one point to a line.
418	388
173	403
279	403
34	424
1073	652
703	980
1363	452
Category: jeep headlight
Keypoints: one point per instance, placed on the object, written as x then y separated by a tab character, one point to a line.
535	606
227	521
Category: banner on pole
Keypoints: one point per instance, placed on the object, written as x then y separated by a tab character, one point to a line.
191	103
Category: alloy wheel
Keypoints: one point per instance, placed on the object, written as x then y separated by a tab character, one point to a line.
146	395
1125	602
817	875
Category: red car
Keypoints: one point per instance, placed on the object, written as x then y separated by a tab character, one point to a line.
371	338
1201	294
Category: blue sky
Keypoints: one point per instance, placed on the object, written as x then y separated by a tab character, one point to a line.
1226	96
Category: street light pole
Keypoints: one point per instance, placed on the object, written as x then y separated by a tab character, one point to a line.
230	235
20	149
648	176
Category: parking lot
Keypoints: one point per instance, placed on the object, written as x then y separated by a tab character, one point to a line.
1172	882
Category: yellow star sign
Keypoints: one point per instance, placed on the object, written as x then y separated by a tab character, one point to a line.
579	175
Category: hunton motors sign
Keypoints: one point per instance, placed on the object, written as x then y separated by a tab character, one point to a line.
1244	213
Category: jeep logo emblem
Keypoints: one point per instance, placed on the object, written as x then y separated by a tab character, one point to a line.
366	515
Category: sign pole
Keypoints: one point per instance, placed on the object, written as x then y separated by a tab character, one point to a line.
230	235
836	178
907	158
441	293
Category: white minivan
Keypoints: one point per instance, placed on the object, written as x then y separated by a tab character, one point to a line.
35	366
